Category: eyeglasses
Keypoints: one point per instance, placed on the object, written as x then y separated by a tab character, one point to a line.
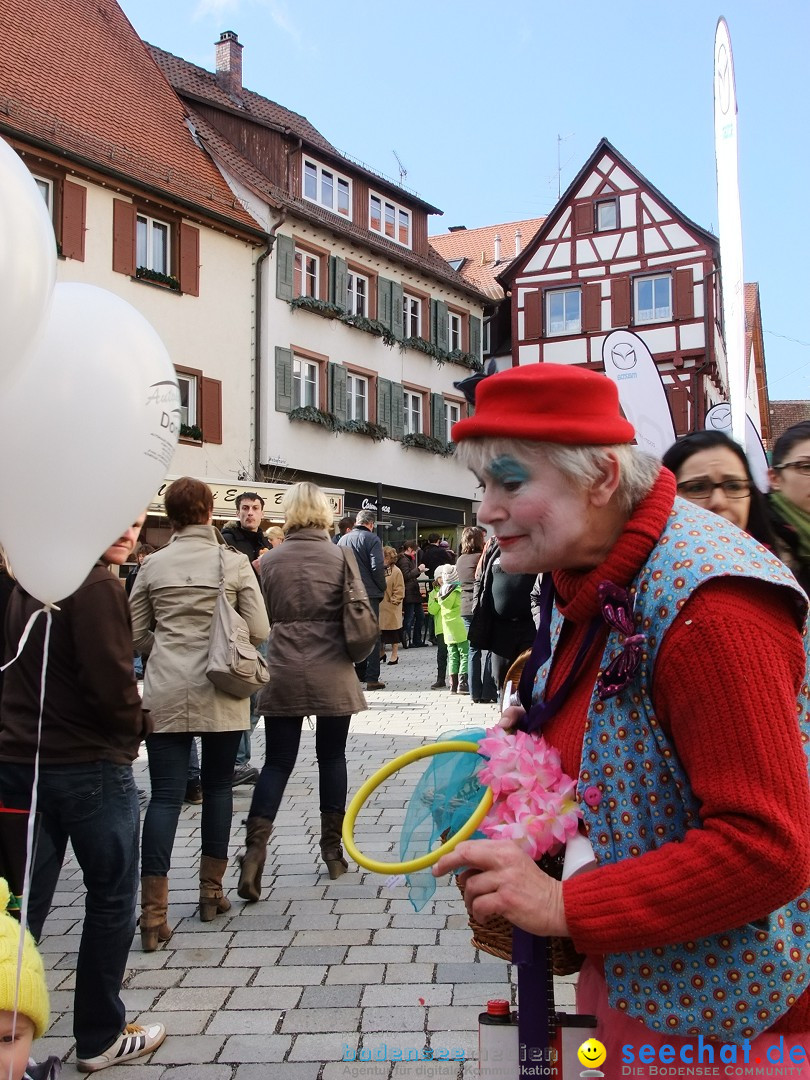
801	467
704	489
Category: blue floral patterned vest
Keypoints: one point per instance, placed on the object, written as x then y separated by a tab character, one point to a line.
732	985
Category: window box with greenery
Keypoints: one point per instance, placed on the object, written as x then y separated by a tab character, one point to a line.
375	432
191	432
311	415
420	441
166	281
319	307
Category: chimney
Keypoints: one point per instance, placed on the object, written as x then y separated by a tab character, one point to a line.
497	248
518	235
229	63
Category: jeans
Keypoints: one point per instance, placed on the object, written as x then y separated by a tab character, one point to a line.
413	623
95	806
282	735
368	670
243	753
168	767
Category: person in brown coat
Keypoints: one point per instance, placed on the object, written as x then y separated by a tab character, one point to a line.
391	606
310	673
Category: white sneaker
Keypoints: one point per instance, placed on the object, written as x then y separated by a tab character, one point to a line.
133	1042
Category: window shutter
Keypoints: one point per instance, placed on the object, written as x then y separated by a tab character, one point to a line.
337	391
532	315
285	264
211	410
384	402
583	219
679	406
189	261
338	282
439	329
620	302
591	308
284	379
124	214
384	302
396	429
397	324
437	418
475	336
74	203
684	295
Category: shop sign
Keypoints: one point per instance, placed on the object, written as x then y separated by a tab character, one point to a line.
393	508
225	493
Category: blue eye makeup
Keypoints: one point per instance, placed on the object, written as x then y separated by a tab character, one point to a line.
507	471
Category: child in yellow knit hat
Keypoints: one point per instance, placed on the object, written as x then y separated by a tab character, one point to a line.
17	1032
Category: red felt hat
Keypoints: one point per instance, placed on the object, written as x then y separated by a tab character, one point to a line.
554	403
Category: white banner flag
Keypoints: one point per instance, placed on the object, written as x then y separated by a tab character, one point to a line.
718	418
730	225
629	363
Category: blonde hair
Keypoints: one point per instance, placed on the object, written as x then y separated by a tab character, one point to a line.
275	532
390	552
580	465
306	507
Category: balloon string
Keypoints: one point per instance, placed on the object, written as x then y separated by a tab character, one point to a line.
29	841
27	631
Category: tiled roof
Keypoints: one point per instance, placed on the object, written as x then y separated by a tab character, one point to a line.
477	248
227	154
78	80
785	414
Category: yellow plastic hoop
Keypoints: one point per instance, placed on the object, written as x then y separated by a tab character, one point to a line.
371	785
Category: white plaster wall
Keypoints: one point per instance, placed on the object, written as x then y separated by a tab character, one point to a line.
572	351
692	336
212	332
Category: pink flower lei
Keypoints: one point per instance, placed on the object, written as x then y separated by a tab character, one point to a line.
534	802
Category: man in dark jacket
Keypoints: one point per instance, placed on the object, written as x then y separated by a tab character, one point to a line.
435	555
413	614
247	537
92	726
368	551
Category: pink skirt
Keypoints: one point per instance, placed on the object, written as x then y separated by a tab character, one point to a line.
623	1036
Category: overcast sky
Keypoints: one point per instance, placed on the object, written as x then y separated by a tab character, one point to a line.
472	96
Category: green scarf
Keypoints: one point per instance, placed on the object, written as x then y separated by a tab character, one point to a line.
800	521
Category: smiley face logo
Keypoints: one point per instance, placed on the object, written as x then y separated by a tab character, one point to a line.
592	1054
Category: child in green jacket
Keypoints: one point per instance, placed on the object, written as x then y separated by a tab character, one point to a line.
453	629
441	649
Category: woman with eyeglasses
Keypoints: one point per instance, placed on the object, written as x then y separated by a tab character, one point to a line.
712	471
789	499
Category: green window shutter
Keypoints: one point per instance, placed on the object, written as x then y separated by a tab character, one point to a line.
475	336
285	263
437	418
439	330
337	391
338	282
384	401
384	301
396	310
284	380
397	428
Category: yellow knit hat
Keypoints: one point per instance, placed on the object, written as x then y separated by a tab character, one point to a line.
33	1001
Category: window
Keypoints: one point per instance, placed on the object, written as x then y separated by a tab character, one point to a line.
563	311
46	190
356	397
653	298
389	219
305	274
152	244
188	399
306	377
607	215
327	188
357	288
413	413
453	331
411	315
452	415
486	338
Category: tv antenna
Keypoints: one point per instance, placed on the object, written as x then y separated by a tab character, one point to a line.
561	139
403	172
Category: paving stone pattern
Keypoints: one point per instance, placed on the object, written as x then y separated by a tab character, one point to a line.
317	971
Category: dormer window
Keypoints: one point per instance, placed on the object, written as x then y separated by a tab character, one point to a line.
389	219
327	188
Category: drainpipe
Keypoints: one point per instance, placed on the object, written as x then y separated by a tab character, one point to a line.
257	351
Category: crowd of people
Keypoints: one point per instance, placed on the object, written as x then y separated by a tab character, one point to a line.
712	583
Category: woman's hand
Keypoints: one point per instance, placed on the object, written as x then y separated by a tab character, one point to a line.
501	880
511	717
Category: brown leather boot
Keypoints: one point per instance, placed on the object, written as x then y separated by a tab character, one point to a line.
252	862
154	909
454	684
212	900
463	685
331	847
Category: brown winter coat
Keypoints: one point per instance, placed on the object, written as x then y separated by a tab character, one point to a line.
172	606
391	603
310	670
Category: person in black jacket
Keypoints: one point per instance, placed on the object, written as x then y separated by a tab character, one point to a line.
368	551
413	614
502	621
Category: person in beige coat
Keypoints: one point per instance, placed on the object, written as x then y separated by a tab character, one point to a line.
172	607
310	673
391	606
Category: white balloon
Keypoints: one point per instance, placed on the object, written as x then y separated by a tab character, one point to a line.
27	263
87	434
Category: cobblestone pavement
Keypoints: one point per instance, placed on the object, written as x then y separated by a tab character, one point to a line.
317	970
